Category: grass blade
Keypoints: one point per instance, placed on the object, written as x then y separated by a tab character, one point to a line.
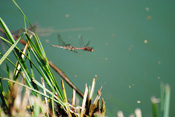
162	92
84	101
6	30
65	99
154	106
8	71
167	101
9	51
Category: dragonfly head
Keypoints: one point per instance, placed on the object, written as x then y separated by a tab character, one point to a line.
91	49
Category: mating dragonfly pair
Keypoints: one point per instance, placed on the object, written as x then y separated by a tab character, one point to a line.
65	46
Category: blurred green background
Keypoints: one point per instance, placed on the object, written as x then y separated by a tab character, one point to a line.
133	46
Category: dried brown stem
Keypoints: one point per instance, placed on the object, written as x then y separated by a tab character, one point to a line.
62	74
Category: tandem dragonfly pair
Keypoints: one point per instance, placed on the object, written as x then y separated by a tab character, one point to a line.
65	46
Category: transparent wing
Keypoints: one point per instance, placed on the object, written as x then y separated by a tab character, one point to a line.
82	44
20	31
87	45
60	41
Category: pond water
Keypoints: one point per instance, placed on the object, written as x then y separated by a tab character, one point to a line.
133	46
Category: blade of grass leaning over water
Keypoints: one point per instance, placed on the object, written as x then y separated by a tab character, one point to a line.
6	30
9	51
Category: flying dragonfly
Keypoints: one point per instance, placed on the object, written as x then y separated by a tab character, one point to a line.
63	45
85	47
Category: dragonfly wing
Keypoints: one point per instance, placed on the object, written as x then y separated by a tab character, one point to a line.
20	31
61	42
87	45
67	44
82	44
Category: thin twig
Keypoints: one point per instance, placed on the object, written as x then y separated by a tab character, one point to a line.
62	74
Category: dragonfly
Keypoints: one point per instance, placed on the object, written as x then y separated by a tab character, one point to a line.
63	45
85	47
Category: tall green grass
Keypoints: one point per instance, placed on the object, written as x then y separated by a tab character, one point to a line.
39	63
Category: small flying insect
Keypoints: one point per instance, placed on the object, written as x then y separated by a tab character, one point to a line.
85	47
63	45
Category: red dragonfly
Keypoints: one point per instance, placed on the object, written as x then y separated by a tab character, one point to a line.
85	47
63	45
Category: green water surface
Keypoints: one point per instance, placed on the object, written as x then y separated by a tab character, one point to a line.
133	46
